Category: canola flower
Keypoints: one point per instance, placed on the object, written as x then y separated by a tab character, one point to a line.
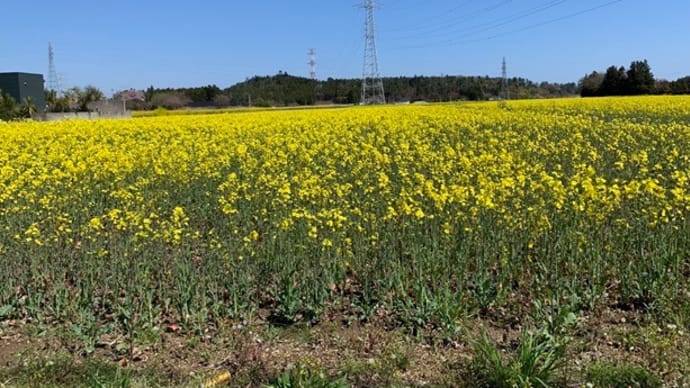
290	198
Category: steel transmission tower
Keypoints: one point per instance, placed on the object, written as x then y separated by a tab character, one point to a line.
312	64
505	94
372	84
53	82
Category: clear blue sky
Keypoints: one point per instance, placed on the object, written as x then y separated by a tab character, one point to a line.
133	44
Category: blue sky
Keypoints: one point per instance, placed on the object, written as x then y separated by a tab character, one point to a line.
133	44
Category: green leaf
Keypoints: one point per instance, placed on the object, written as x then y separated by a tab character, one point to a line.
6	310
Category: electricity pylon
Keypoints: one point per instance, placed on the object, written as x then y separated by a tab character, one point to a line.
372	84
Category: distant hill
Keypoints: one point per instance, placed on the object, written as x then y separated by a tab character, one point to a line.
283	89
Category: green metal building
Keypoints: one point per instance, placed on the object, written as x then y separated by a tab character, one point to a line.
24	85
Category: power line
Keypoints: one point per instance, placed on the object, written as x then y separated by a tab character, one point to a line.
551	21
453	21
455	42
498	22
518	16
431	23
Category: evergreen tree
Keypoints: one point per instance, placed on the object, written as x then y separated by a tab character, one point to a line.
615	82
681	86
640	78
590	84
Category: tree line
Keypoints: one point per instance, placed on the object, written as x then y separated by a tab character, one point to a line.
283	89
637	79
75	99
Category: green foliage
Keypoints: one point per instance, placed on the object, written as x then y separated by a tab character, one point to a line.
590	84
617	81
680	86
608	375
640	78
169	100
537	363
10	110
61	371
8	107
6	311
414	274
28	108
56	103
303	376
88	95
283	89
75	99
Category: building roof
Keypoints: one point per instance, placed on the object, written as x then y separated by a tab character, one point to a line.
19	73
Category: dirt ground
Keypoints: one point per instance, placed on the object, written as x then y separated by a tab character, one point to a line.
371	354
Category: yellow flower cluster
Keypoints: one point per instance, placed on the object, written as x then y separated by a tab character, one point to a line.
327	176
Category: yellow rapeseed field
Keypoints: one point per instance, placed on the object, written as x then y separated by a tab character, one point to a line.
336	172
214	215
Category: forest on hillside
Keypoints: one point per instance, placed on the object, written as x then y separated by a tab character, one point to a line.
283	89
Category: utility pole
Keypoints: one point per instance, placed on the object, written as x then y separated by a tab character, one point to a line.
372	84
312	64
505	94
